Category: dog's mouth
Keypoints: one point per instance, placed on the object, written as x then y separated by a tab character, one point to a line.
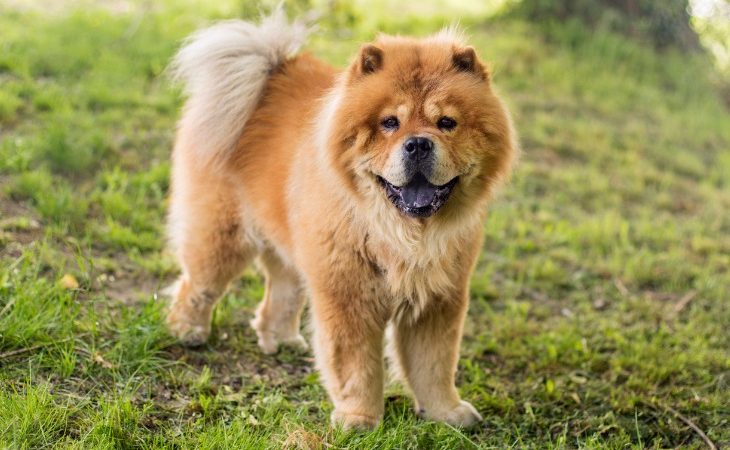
418	198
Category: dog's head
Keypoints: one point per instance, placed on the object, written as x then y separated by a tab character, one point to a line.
415	124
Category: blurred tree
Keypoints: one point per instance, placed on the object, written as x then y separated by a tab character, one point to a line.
664	23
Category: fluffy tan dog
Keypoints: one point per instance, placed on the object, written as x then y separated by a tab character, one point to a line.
364	190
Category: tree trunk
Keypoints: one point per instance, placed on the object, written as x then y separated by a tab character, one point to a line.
663	23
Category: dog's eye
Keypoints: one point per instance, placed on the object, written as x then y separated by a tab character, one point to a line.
446	123
390	123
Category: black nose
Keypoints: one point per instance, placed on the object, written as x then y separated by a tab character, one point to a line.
418	148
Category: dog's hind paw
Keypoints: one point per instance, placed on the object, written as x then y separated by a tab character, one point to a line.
269	341
190	334
354	421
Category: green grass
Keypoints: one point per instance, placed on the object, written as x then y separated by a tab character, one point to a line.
600	304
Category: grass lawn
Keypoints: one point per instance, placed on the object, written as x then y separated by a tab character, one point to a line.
600	306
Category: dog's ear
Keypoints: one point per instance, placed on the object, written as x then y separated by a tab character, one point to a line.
465	60
370	59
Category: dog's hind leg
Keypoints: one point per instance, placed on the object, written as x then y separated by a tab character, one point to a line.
205	228
209	265
278	315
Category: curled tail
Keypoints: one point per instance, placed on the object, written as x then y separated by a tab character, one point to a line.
224	70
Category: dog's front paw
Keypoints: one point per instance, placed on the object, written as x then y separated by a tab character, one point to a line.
463	415
189	333
354	421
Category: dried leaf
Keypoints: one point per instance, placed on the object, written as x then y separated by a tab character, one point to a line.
98	359
68	281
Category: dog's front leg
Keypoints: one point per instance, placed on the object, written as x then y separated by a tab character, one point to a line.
427	351
348	344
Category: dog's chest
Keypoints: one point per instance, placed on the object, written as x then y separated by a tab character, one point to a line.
412	280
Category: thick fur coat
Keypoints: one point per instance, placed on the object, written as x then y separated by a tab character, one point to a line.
364	190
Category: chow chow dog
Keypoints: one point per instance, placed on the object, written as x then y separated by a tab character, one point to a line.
363	189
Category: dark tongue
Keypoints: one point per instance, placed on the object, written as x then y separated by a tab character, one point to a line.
418	192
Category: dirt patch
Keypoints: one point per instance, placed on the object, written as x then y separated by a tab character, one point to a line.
19	227
127	285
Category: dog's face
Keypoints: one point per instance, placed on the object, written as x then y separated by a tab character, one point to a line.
419	127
